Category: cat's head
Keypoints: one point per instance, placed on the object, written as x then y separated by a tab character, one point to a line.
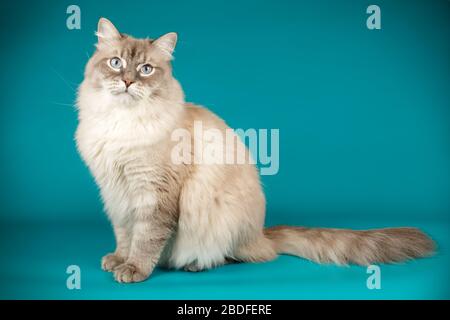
132	70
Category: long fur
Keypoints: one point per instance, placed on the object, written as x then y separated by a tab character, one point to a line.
190	215
341	246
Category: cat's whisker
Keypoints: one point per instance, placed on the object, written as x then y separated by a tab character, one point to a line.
63	104
63	79
73	106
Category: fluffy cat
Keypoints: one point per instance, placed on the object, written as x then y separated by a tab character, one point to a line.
190	215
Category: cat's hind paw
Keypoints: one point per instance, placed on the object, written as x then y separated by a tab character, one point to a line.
193	267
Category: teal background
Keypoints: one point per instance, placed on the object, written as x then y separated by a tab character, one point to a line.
364	137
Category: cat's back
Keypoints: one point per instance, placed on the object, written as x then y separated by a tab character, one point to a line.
201	115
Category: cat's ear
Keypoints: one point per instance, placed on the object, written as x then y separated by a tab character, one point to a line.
166	44
106	31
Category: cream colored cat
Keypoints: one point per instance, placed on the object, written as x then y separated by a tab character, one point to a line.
191	216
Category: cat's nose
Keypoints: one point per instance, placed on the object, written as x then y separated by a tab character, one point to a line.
127	82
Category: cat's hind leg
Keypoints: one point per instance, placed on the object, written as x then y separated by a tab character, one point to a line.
195	267
260	249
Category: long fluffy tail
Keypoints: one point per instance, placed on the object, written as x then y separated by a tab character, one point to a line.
343	246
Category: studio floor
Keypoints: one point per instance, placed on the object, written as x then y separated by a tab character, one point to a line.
35	257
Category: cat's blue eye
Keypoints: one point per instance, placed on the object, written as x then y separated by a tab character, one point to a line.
115	63
146	69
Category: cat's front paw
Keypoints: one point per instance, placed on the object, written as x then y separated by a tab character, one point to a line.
128	272
110	261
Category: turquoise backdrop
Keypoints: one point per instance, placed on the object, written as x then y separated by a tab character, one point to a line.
364	125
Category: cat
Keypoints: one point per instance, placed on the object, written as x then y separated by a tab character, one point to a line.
189	216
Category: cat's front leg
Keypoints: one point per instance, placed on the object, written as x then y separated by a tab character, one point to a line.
123	243
151	231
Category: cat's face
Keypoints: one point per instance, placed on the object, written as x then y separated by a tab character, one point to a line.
130	70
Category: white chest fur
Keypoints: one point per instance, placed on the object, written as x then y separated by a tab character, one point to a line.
115	165
120	146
